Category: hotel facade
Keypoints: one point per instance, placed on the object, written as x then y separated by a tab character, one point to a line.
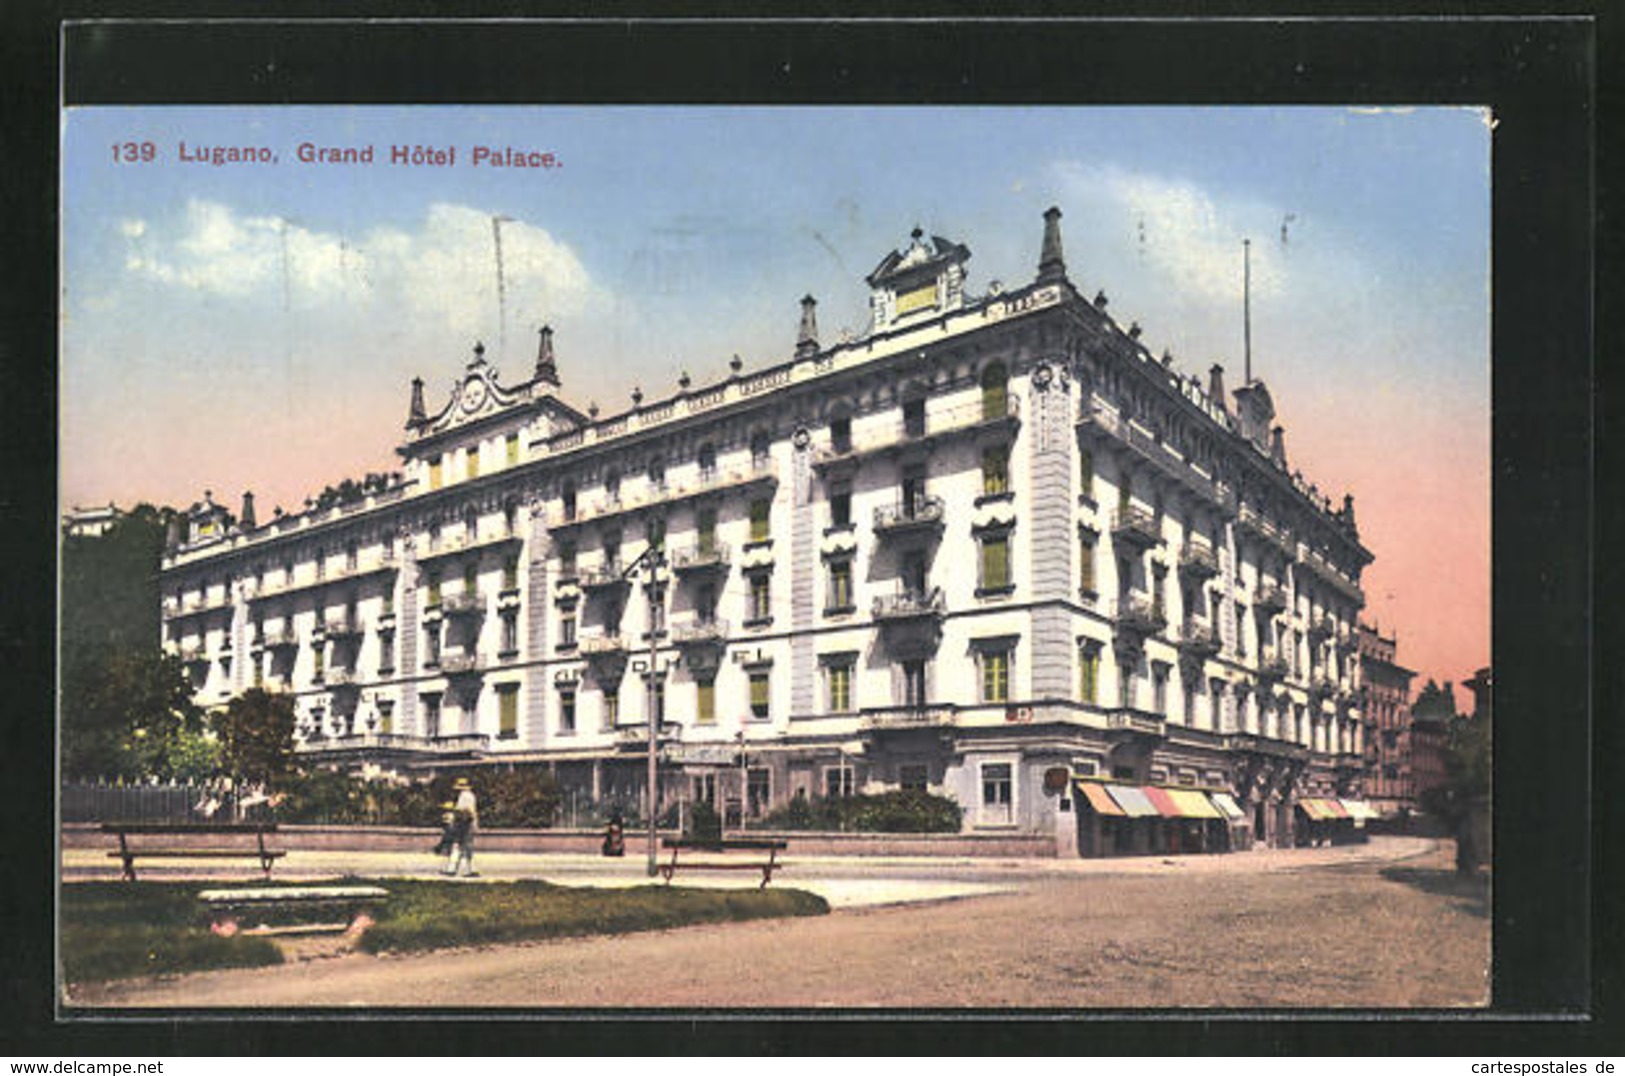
990	547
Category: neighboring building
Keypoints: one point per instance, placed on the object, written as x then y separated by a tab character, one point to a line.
1390	784
990	539
1431	714
1482	685
90	522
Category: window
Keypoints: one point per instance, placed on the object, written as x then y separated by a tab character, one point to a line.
510	632
612	707
434	473
913	491
838	782
431	716
567	630
840	586
995	391
705	603
657	473
1159	688
352	557
705	702
507	711
471	578
434	589
705	788
1086	475
840	506
840	434
655	534
567	710
995	471
431	646
511	448
510	574
657	611
758	787
1086	566
389	603
996	784
1089	676
1190	704
996	562
761	597
708	462
386	716
319	662
912	777
758	450
1125	685
1158	604
839	677
569	498
660	702
759	519
612	486
995	675
914	418
386	652
567	560
913	673
705	523
759	708
474	462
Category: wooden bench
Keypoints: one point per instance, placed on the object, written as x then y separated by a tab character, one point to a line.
236	833
678	845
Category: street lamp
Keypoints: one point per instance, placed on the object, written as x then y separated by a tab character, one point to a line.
652	559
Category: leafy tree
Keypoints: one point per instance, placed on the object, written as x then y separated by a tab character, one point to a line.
255	732
1464	795
124	713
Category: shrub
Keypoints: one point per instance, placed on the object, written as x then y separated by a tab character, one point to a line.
523	797
885	812
704	823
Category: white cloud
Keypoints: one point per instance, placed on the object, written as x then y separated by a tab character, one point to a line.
1183	234
440	271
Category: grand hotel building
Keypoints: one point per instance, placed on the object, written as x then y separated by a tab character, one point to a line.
989	547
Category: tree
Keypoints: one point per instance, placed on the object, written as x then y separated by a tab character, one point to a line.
255	732
1463	798
124	712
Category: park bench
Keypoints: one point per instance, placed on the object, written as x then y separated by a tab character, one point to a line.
313	908
225	840
716	847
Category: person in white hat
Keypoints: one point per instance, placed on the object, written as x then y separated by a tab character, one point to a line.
467	811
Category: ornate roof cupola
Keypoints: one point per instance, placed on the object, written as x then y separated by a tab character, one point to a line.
921	281
547	370
1051	262
416	415
807	334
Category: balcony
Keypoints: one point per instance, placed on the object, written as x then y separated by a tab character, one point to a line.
711	631
1198	640
462	543
1254	522
466	604
1269	599
1321	628
916	716
384	561
1142	722
1252	743
602	646
1138	615
1322	687
1136	528
605	577
1272	666
739	478
700	557
910	605
281	639
954	421
1198	562
1102	423
343	627
339	679
462	664
920	514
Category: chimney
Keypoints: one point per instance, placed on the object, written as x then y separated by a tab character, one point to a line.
1215	386
1348	509
416	416
1051	263
807	335
1278	446
248	523
546	367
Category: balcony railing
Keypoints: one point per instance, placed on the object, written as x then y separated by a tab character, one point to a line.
1140	721
341	678
1136	527
464	604
384	561
1139	614
759	471
1101	420
964	418
1322	687
601	645
1270	599
908	716
1321	627
281	639
1199	639
702	556
461	664
342	627
602	578
922	512
1272	666
910	605
696	632
1197	560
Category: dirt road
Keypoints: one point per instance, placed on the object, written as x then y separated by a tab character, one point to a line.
1359	935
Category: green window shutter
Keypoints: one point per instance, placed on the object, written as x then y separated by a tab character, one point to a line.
1090	677
758	694
995	562
508	713
1086	564
759	514
706	702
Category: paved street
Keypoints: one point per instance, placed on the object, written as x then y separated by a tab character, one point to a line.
1378	925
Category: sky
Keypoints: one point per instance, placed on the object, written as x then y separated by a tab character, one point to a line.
255	325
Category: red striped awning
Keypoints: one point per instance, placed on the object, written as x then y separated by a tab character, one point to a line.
1098	799
1163	802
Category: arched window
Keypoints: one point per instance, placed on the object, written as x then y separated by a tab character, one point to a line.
708	461
995	391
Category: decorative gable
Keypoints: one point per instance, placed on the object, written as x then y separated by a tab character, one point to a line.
921	281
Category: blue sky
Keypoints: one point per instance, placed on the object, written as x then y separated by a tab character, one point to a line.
257	326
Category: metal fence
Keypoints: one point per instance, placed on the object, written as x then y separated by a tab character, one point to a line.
131	803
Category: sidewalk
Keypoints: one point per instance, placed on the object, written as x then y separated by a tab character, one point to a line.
843	881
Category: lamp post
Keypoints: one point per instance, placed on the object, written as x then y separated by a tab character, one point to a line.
652	559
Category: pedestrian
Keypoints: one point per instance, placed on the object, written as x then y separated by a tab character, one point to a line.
448	829
614	835
467	822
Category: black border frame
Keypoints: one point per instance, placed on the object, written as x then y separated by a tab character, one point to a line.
1537	67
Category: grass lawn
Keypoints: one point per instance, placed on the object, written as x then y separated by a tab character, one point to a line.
115	930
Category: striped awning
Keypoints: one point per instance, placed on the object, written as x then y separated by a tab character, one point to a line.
1099	800
1359	810
1192	804
1227	804
1320	809
1162	801
1133	800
